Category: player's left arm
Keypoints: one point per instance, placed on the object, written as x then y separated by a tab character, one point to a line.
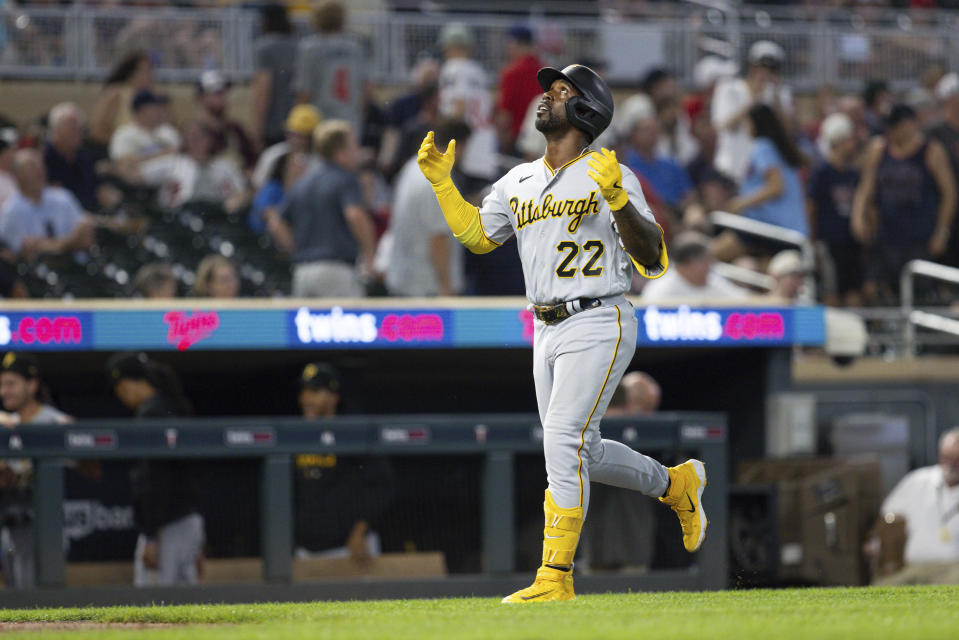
642	238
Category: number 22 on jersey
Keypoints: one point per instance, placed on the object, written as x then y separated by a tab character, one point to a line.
593	250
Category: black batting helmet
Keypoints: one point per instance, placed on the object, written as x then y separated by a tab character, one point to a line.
592	110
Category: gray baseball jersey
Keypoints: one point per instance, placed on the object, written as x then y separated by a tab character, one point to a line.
564	229
570	248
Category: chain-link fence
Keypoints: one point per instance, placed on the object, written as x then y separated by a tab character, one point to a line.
835	48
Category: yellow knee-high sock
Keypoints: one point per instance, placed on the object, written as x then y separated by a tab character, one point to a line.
561	533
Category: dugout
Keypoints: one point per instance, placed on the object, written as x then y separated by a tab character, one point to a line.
467	357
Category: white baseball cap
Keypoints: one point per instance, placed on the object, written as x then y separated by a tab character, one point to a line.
710	69
835	128
947	86
766	52
212	81
785	263
456	34
633	109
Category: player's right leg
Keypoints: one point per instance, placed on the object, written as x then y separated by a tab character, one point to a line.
680	487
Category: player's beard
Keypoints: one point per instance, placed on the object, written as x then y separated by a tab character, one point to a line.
551	124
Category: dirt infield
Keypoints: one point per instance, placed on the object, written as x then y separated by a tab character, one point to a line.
84	626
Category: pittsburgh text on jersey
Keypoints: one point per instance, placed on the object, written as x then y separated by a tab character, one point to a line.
528	212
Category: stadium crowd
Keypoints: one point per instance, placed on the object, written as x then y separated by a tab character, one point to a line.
125	200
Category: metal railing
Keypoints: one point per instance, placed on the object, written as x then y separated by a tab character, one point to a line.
841	49
744	276
918	318
777	234
498	438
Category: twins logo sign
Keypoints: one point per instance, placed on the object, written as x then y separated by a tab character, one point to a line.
381	328
714	326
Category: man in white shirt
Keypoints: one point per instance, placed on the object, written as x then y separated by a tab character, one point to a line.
691	275
734	97
39	218
425	259
145	136
464	93
196	174
928	499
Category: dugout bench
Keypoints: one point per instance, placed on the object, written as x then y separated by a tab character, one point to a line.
496	437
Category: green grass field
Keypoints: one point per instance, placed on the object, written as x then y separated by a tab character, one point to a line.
873	613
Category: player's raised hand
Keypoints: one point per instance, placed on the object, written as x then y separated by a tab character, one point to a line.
604	169
435	166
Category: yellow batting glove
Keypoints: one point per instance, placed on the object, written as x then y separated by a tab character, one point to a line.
435	166
604	169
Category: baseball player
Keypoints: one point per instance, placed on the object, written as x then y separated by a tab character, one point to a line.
581	224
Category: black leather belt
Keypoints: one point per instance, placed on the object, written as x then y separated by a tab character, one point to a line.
556	313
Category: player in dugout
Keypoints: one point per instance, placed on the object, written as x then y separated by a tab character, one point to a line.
169	549
27	400
339	500
582	225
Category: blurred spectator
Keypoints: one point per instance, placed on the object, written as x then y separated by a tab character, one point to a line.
905	202
230	138
406	109
145	136
928	499
707	73
331	68
691	276
41	219
339	501
637	394
787	271
668	178
274	59
464	93
713	189
132	74
68	164
413	132
216	277
855	109
287	170
517	84
733	99
675	139
947	133
425	259
323	223
770	191
26	399
299	125
923	102
197	175
8	146
169	550
155	280
878	101
423	77
832	189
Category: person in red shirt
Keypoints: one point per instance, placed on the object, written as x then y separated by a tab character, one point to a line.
517	86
